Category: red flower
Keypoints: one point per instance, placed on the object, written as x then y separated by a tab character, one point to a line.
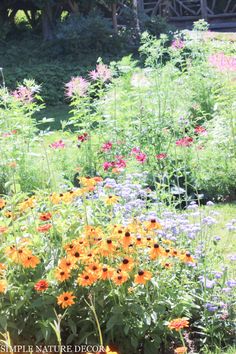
45	216
41	285
44	228
161	156
200	130
186	141
83	137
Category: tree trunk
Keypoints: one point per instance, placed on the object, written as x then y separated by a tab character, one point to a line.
114	17
47	23
138	13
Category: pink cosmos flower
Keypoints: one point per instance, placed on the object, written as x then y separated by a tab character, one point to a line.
120	163
107	165
58	145
177	44
77	86
102	72
186	141
135	150
161	156
23	94
222	62
141	157
107	146
200	130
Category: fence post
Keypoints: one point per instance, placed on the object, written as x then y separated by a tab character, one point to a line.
204	9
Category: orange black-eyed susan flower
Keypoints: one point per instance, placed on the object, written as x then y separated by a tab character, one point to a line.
127	239
153	224
156	251
167	265
127	264
17	254
181	350
187	258
106	272
120	277
27	204
66	299
2	203
3	286
93	267
175	253
71	247
62	274
41	285
55	198
8	214
67	263
30	261
44	228
178	323
142	277
87	278
166	252
45	216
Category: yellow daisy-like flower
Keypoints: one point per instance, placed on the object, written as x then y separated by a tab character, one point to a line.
111	199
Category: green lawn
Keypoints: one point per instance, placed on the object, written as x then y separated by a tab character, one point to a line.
58	113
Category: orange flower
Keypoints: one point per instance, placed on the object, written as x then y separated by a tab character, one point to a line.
3	229
3	286
167	265
55	198
181	350
62	274
127	239
93	267
152	225
2	268
106	272
67	263
187	258
142	277
87	279
120	277
30	261
17	254
178	323
156	251
45	216
41	285
44	228
66	299
8	214
127	264
2	203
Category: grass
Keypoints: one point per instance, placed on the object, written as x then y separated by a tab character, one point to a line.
58	113
231	350
227	243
